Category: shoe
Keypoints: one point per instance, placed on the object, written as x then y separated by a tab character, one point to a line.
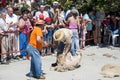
24	58
16	57
49	53
7	62
43	73
40	77
29	75
77	66
54	64
20	56
44	54
78	50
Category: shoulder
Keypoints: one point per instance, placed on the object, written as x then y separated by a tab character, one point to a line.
21	19
69	19
14	15
1	20
7	15
38	12
45	12
37	28
66	30
68	11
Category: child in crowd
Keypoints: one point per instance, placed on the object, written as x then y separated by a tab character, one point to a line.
50	29
48	33
84	22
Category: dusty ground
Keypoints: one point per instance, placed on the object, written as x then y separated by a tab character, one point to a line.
92	61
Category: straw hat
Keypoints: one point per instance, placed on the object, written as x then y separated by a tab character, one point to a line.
39	22
59	35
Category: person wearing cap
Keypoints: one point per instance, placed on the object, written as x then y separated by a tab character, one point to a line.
41	17
65	38
34	48
68	13
59	15
49	36
45	32
59	18
41	11
55	4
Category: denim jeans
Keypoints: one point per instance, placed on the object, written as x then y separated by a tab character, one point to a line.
23	43
75	39
35	67
72	50
62	46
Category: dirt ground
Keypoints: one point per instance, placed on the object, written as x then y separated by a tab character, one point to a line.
92	61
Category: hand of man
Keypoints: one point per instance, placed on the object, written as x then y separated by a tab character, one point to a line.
45	44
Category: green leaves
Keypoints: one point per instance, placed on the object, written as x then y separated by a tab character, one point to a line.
85	5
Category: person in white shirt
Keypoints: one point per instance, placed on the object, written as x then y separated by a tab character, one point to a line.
41	11
4	37
13	37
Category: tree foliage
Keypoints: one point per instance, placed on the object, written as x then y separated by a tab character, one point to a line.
107	5
86	5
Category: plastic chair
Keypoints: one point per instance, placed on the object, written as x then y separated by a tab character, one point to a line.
114	38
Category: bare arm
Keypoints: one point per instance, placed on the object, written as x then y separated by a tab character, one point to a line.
40	40
78	22
55	17
21	23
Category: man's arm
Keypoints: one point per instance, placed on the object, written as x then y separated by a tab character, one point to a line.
68	44
67	49
40	40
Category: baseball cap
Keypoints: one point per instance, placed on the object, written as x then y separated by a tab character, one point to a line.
55	3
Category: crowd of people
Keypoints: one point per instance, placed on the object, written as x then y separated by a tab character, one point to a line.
49	29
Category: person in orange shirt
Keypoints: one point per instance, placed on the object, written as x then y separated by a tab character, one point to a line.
34	48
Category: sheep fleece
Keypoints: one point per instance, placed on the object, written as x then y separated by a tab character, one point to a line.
110	70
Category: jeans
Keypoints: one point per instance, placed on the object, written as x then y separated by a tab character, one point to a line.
23	43
35	67
62	46
72	50
75	41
